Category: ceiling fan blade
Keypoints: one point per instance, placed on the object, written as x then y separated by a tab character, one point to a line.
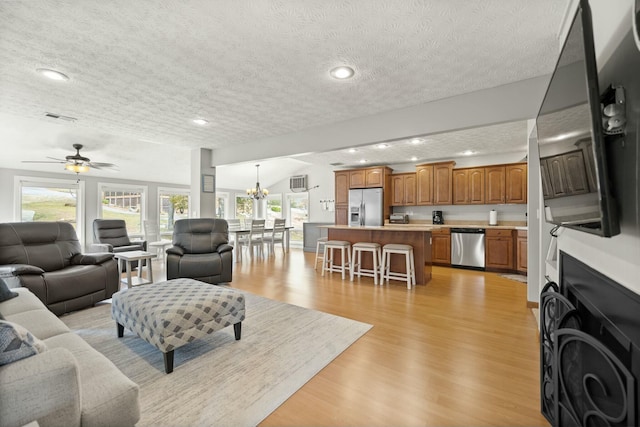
60	160
44	161
99	165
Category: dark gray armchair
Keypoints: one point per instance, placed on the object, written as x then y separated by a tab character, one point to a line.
201	251
110	235
46	258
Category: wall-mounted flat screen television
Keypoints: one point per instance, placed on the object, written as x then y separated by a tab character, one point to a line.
571	141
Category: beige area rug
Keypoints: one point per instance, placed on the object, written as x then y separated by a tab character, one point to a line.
218	381
516	277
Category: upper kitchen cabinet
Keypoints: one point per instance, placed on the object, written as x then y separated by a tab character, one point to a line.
468	186
506	184
442	183
566	174
424	184
403	189
494	189
516	183
368	177
434	184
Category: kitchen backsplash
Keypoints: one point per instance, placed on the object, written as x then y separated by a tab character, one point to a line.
480	213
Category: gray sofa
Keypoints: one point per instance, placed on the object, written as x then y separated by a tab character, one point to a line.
69	384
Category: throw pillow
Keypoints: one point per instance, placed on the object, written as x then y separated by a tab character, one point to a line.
17	343
5	292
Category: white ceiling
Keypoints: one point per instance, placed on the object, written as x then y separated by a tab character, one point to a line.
141	71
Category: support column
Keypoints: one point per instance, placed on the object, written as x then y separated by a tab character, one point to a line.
203	191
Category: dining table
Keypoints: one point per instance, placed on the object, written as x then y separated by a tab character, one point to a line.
239	232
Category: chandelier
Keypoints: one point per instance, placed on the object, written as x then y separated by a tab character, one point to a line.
257	192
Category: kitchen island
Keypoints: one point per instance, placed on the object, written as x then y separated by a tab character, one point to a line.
417	236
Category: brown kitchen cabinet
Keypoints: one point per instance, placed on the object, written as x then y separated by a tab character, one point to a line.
499	250
341	197
424	184
468	186
516	183
441	247
521	251
357	178
494	187
403	189
434	184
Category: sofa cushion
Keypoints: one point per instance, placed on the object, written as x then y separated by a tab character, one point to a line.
5	292
41	323
103	386
25	301
17	343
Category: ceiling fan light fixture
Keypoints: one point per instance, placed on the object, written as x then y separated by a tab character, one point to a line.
342	72
52	74
77	168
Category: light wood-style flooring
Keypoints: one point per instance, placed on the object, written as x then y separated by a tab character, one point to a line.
460	351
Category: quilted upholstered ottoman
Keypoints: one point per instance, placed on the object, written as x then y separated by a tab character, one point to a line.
173	313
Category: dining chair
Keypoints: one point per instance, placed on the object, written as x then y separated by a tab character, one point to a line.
234	225
277	235
255	238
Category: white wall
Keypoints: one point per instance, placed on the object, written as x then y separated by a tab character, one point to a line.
91	195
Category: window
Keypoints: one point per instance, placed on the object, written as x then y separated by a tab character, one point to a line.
125	202
244	207
173	204
274	207
297	213
222	205
44	199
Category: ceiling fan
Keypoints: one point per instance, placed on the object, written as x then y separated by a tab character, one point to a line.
76	162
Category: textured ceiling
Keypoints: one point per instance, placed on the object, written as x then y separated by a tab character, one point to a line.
141	71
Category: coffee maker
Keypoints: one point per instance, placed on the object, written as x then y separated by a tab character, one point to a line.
437	217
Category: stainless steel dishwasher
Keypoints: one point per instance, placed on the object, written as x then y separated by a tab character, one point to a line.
467	248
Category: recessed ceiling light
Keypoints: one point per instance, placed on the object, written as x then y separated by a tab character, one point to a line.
416	141
342	72
382	146
200	122
52	74
468	152
363	161
414	158
352	150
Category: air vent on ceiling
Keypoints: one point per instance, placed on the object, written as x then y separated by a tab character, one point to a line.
298	183
336	164
61	117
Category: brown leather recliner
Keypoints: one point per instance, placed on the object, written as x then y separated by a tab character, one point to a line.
201	251
46	258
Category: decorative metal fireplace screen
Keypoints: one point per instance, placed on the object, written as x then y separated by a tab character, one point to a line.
589	349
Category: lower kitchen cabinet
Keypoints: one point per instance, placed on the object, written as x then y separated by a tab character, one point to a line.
499	253
521	251
441	247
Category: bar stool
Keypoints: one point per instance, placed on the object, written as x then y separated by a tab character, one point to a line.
386	273
320	256
329	246
357	269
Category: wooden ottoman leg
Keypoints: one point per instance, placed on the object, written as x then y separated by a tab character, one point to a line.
168	362
237	329
120	330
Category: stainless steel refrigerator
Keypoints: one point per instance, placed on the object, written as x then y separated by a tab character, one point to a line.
366	207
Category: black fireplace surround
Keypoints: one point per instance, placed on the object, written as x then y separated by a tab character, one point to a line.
589	349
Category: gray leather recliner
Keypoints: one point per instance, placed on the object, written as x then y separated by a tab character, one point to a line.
46	258
110	235
201	251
